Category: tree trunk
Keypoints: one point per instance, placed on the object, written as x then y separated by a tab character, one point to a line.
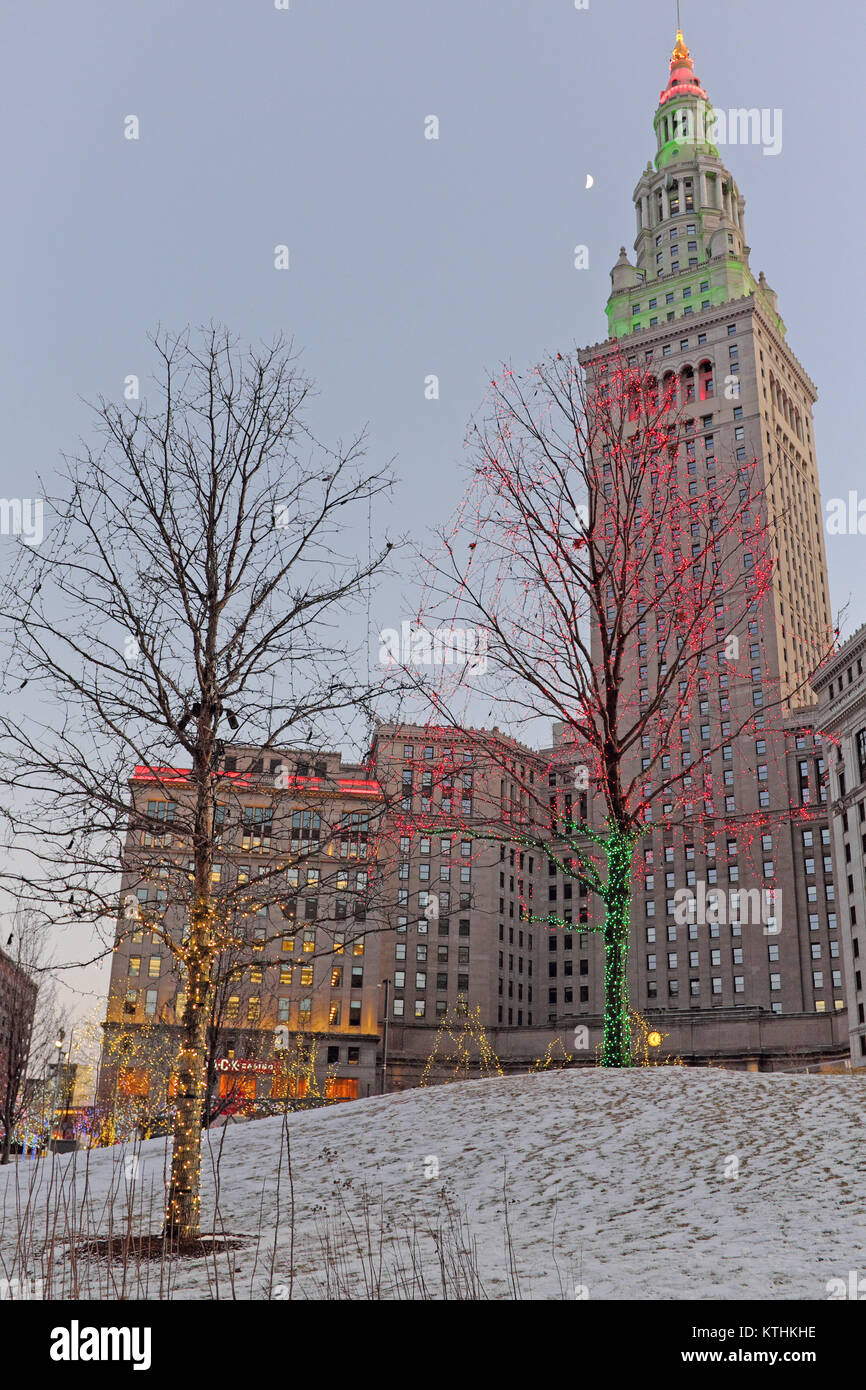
183	1203
616	1043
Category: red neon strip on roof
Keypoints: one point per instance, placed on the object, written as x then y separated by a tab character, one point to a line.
183	774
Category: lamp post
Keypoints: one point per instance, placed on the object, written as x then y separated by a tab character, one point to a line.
58	1043
387	984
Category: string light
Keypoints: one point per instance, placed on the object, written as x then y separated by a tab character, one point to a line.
464	1027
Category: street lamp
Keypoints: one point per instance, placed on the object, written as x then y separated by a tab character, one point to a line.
387	984
58	1043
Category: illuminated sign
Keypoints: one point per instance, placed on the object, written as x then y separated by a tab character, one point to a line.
236	1066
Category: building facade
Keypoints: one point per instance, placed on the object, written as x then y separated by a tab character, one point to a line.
297	836
841	690
17	1010
689	314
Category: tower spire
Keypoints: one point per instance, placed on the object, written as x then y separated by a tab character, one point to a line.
682	81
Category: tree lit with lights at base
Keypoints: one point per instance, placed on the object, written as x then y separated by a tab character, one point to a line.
192	583
620	593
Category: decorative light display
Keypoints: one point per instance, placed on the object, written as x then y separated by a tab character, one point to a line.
464	1028
646	1043
629	597
550	1058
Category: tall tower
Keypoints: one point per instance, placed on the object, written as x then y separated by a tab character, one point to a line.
691	288
689	311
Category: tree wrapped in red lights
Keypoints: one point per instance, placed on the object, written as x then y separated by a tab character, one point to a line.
621	594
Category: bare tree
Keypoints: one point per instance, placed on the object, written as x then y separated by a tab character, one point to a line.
200	571
27	1021
610	593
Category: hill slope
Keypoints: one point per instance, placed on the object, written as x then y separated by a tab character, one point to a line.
615	1182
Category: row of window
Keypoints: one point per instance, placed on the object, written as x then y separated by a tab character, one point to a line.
447	806
446	843
463	755
420	1008
421	977
403	869
305	1010
422	949
736	930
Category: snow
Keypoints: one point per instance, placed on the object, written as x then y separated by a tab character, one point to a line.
620	1184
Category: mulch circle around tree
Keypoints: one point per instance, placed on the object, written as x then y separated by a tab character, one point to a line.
159	1247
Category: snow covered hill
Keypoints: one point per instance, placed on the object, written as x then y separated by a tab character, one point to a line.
657	1183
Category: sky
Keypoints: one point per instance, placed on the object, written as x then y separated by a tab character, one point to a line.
408	257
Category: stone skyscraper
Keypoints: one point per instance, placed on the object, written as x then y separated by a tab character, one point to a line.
689	312
691	270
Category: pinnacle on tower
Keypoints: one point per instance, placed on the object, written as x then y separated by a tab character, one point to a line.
682	81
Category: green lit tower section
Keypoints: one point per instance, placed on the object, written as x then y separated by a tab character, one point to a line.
690	248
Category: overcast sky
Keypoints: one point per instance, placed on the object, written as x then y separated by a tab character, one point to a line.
408	256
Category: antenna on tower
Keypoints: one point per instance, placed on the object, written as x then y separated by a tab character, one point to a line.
679	26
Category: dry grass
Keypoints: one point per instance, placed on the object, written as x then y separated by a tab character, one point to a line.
58	1236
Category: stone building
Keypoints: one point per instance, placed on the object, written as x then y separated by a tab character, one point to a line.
298	836
17	1010
841	689
689	313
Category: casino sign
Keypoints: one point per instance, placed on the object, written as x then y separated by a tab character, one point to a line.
238	1066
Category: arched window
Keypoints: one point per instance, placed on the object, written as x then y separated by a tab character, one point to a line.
687	385
669	390
705	380
651	394
798	425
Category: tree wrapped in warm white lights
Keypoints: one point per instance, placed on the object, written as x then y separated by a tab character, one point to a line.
192	582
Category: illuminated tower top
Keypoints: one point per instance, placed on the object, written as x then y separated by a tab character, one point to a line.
690	247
